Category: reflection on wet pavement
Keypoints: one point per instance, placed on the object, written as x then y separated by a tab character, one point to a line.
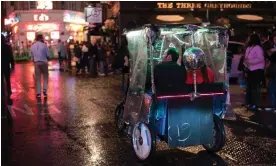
75	126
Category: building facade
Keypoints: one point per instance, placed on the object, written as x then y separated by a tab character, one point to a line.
55	20
241	16
11	6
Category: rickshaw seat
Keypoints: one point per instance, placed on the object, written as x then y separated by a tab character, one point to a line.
184	90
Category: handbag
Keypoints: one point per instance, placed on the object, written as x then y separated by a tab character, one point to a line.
75	59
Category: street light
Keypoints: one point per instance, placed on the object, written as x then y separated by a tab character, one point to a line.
170	18
250	17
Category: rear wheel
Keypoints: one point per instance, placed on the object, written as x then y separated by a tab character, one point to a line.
143	141
119	112
219	136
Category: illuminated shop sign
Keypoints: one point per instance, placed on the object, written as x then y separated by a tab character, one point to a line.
74	17
74	27
93	14
44	5
42	27
11	21
41	17
55	35
198	5
31	36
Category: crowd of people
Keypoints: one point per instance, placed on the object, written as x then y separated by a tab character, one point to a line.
95	58
259	66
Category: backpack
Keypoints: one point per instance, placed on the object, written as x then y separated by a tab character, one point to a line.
241	66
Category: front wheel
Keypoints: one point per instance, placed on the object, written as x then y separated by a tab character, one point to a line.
219	136
143	141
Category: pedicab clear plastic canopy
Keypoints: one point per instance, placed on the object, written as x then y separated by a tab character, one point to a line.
149	45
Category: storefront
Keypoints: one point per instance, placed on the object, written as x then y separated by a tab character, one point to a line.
53	24
241	16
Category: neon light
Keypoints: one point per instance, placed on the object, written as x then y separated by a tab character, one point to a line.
183	96
11	21
41	17
44	5
55	35
31	36
39	27
74	18
15	29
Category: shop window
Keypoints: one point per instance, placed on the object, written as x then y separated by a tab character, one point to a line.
33	4
62	5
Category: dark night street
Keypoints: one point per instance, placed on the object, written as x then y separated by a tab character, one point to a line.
75	126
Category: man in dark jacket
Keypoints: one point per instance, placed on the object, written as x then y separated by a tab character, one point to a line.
271	75
6	64
92	53
169	74
78	55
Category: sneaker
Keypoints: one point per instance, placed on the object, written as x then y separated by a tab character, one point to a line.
101	74
38	96
45	93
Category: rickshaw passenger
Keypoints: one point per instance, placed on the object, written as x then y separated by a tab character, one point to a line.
203	75
169	74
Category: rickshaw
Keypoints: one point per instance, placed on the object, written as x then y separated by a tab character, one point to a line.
181	116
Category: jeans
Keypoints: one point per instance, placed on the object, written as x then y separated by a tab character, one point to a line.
92	67
253	89
103	67
272	91
41	68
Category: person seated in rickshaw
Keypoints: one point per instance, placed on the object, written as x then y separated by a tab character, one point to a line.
203	75
169	74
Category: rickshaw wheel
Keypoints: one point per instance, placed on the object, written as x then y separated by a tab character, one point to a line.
119	112
143	142
219	136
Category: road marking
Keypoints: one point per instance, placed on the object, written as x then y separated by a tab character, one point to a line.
55	109
29	111
13	108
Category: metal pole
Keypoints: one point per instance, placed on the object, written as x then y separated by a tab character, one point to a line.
207	15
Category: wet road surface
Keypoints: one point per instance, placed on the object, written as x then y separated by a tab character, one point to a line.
75	126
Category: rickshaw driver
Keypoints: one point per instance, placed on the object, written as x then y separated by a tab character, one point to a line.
169	74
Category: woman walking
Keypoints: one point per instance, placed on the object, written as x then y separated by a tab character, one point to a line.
255	63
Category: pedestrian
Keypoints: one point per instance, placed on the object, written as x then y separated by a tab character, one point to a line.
93	52
271	71
40	54
254	61
59	45
78	55
7	64
69	54
102	59
110	61
63	55
271	75
84	59
122	63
